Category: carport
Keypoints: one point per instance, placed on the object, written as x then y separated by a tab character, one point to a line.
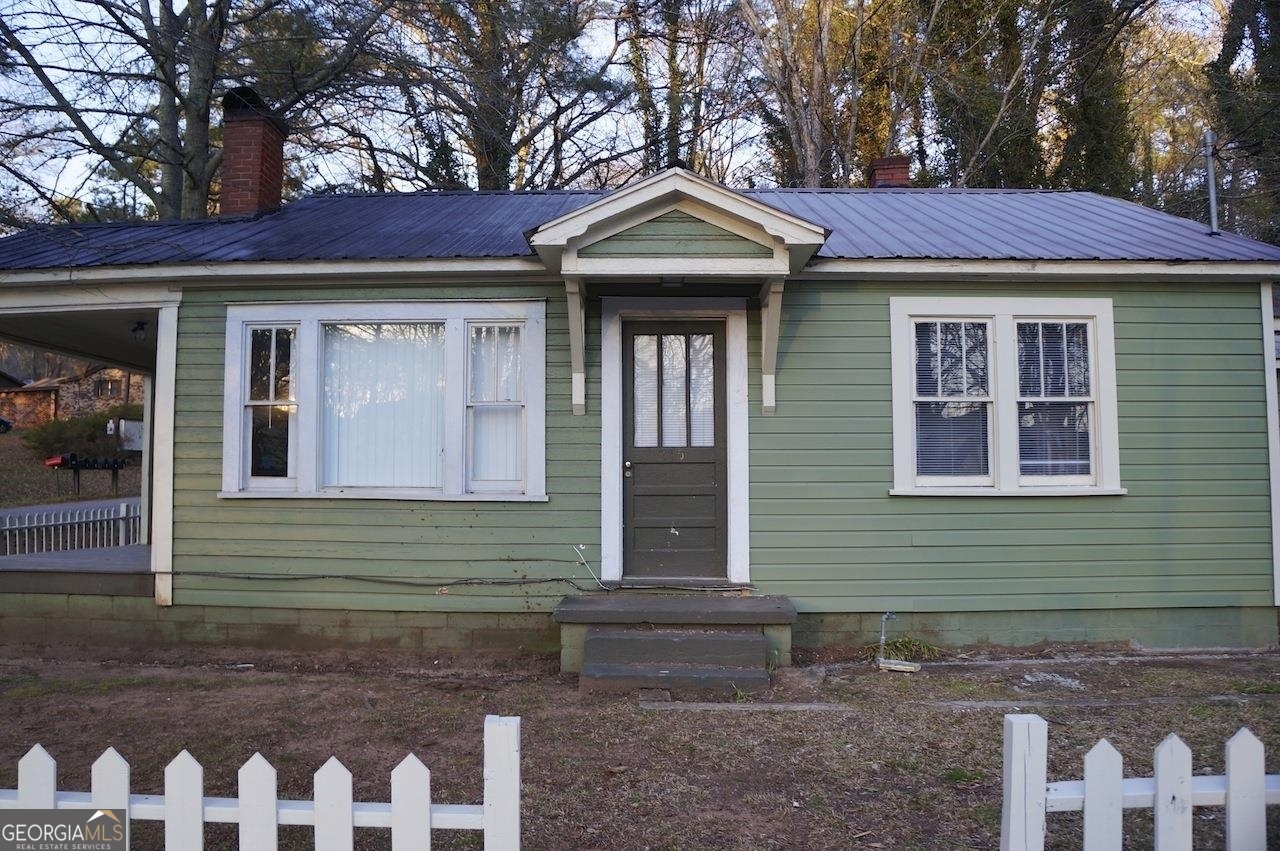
126	325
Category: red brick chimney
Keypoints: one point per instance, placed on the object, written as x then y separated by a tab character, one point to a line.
252	154
889	171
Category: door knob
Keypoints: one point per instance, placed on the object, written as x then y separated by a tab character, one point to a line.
626	468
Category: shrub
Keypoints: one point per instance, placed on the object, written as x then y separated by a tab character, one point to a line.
85	436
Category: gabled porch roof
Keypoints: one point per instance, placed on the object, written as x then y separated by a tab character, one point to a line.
791	241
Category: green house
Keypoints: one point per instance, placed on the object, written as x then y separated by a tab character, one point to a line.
425	420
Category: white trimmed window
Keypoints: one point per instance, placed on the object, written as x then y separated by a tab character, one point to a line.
411	400
1004	396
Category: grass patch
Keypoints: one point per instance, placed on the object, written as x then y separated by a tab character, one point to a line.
906	648
1259	688
963	775
37	688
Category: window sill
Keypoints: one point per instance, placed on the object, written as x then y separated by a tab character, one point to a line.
385	493
1024	491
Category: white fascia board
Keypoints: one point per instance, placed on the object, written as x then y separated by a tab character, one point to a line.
61	298
1042	270
281	272
686	267
674	184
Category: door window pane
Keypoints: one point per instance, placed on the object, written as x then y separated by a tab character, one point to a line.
674	402
645	390
383	410
702	387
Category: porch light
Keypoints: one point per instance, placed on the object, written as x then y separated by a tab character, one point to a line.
140	331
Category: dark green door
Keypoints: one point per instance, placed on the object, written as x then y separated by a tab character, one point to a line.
674	491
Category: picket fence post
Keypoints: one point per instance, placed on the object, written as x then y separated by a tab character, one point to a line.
335	820
501	783
1173	795
1103	798
109	782
37	780
184	804
257	804
411	806
1246	795
1026	769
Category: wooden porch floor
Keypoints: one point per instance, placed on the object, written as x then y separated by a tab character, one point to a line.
114	571
132	559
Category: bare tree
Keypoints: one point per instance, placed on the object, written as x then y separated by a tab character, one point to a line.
89	79
507	81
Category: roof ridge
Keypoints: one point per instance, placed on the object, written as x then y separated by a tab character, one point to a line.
455	193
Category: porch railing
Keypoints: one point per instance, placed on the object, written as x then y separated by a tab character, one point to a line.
70	529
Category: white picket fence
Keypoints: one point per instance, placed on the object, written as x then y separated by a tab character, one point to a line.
411	815
70	529
1104	793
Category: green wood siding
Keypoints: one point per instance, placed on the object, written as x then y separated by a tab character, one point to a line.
1194	529
377	554
676	234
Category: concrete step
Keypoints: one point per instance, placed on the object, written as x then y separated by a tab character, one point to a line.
712	679
724	647
675	609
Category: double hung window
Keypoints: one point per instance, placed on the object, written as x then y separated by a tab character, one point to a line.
425	400
1004	396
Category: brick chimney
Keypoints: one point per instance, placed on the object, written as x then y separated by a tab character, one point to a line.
889	171
252	154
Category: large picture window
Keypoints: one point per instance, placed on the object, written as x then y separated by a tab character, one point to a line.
1004	396
424	400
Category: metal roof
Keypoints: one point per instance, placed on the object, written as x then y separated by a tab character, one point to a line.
936	224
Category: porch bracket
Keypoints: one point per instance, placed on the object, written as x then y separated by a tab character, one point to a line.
770	321
577	344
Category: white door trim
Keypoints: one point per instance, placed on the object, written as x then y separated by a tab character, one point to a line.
734	312
1270	365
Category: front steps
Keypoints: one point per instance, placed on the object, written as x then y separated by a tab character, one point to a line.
693	643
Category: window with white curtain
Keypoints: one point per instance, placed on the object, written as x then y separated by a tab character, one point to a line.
414	400
1004	395
495	407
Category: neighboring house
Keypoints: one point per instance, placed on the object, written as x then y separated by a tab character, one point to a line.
30	404
424	419
98	390
94	391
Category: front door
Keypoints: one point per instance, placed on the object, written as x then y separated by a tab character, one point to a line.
675	467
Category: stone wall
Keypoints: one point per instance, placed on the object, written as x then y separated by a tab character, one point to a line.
28	408
98	391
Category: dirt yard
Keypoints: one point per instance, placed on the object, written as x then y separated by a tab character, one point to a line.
892	761
24	480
